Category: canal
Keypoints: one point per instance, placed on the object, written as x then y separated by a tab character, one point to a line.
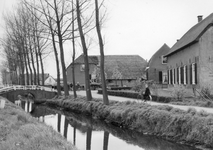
89	134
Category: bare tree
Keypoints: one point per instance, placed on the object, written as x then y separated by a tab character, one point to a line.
50	25
56	14
74	51
101	45
84	46
25	33
15	35
59	20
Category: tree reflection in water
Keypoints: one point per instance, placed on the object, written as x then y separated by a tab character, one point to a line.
106	140
89	138
80	125
59	123
74	135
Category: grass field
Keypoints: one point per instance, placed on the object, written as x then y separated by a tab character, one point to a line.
20	131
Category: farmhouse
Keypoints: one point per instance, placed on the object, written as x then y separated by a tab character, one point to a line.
190	60
120	70
50	81
157	67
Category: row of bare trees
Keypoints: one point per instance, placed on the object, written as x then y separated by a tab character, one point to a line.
24	47
38	26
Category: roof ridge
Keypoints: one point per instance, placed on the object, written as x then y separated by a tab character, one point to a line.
192	35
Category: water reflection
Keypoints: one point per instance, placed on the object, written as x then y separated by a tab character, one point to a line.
27	105
88	134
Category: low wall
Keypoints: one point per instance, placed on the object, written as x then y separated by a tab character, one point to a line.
37	94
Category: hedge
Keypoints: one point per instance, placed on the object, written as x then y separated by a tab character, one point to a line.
135	95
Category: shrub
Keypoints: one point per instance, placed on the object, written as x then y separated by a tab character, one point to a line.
206	91
138	86
22	118
179	92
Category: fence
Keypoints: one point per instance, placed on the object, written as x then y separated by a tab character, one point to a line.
24	87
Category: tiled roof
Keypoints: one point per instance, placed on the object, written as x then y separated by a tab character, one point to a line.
91	59
192	35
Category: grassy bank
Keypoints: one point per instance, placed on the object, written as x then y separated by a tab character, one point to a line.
190	101
189	127
20	131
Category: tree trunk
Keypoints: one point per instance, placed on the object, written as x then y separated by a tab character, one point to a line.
37	63
66	91
26	64
66	123
42	67
59	123
57	62
73	56
36	76
101	45
83	42
106	140
33	64
74	135
88	139
22	77
16	77
31	72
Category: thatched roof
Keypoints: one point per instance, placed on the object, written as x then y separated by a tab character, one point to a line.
193	35
124	66
119	66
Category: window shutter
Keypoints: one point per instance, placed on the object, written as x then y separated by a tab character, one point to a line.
195	73
190	73
160	77
182	75
168	76
186	74
171	76
177	75
174	77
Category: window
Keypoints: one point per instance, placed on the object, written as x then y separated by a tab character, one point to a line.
185	74
110	81
164	78
82	67
163	59
193	73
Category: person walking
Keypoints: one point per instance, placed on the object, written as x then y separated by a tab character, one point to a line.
147	93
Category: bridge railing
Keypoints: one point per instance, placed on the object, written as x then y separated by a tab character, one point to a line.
24	87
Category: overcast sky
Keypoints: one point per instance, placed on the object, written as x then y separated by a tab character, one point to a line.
141	26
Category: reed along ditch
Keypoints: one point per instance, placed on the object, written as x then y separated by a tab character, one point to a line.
87	133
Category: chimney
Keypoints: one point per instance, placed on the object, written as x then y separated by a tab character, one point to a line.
200	18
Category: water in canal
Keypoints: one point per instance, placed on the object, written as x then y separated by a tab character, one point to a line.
89	134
